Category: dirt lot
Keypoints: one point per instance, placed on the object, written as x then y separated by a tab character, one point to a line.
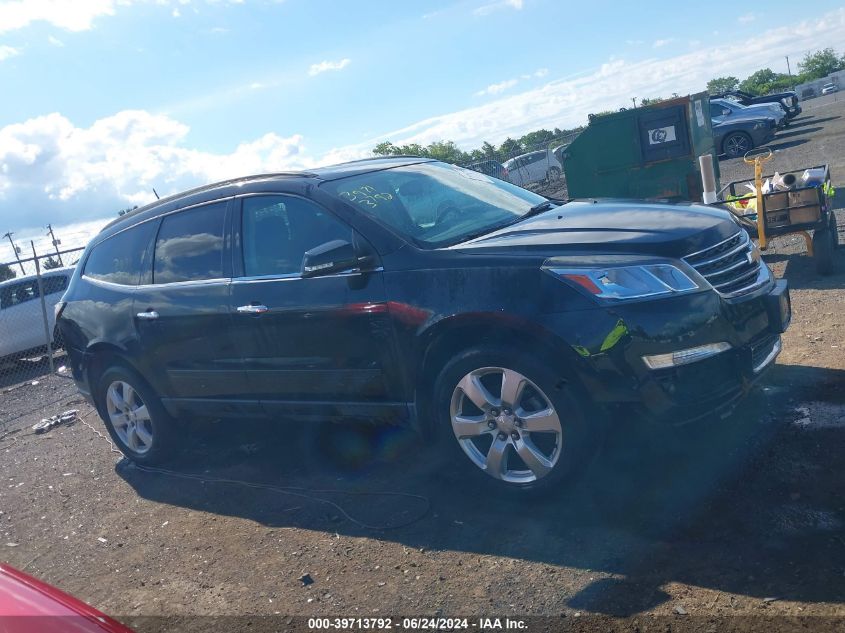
733	524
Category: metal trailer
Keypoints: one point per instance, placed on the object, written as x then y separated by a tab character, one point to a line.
648	152
798	210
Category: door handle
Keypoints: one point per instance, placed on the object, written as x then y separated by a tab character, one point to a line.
149	315
253	309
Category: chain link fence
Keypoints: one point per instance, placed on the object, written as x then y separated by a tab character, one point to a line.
538	167
30	345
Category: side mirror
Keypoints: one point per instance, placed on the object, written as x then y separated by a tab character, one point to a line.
329	258
725	112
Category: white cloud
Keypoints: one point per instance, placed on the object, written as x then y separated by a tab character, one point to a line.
748	18
662	43
494	89
324	66
56	172
486	9
176	13
55	41
70	16
541	72
7	51
634	42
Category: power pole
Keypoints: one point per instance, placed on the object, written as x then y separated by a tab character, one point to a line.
16	250
789	70
55	243
634	99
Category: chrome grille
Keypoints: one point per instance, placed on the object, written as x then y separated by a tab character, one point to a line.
733	266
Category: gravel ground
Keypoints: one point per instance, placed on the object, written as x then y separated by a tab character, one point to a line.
730	524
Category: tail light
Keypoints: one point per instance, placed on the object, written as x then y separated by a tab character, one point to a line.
57	309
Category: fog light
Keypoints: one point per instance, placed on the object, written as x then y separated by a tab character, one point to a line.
685	356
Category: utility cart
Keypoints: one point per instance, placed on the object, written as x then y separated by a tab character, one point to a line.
805	206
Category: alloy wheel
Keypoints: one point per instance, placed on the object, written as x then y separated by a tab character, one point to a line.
737	145
506	425
129	416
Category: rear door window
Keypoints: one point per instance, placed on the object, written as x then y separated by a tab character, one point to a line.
118	258
189	246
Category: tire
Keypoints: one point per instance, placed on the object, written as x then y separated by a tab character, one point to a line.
736	144
824	248
143	431
553	175
499	449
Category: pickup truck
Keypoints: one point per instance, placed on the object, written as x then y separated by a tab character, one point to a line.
788	100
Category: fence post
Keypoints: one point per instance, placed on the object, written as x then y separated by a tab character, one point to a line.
47	333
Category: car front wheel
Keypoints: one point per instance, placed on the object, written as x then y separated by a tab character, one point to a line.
134	416
737	144
510	420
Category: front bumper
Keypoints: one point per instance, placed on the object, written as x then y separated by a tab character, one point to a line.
614	373
793	111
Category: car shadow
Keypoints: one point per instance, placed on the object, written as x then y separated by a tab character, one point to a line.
776	146
712	504
801	121
806	130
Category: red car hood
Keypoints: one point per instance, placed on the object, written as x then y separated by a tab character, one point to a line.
28	605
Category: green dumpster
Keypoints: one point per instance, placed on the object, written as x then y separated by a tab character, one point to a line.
648	152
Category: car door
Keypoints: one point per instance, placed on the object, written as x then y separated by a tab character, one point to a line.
22	322
537	167
182	315
318	346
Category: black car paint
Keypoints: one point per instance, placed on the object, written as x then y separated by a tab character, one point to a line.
362	344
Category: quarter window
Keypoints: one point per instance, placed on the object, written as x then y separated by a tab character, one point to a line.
277	230
189	246
118	258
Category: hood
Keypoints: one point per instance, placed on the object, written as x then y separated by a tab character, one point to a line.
744	117
611	226
770	109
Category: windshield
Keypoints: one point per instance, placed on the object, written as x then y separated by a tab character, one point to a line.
435	204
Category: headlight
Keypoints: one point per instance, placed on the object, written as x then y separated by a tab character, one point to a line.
621	283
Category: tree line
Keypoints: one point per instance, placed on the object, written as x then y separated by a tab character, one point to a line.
449	152
815	65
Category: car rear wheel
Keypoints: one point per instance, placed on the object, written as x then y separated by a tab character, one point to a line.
510	420
737	144
134	416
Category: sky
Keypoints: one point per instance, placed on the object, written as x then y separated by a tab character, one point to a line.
104	100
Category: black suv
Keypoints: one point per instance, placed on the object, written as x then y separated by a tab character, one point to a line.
409	291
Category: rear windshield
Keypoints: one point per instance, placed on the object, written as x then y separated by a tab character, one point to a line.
435	204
